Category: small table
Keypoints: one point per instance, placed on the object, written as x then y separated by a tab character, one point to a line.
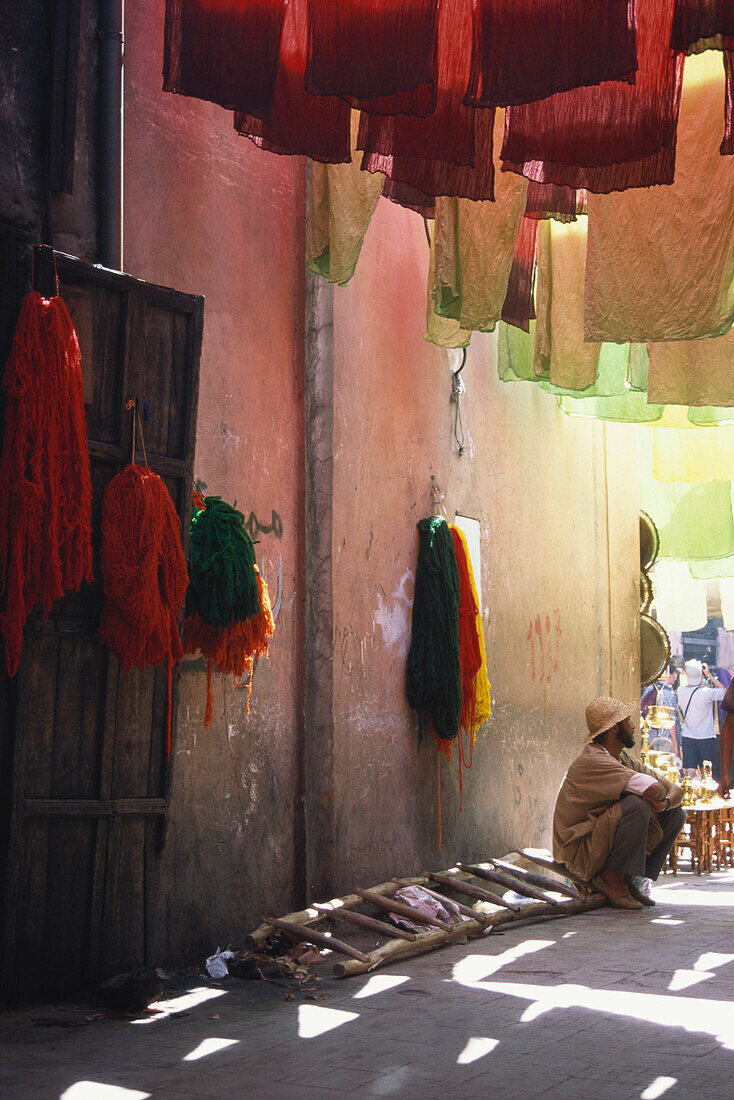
709	836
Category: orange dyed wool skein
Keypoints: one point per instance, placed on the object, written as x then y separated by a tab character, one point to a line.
46	498
144	570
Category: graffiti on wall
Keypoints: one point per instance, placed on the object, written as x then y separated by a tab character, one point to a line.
544	636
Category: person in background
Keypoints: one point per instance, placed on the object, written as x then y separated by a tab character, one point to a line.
664	693
727	741
695	703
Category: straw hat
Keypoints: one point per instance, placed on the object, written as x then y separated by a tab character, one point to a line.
604	713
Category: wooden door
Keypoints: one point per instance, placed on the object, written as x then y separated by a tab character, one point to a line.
90	774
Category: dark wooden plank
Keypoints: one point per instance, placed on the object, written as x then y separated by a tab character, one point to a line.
162	465
179	412
133	735
89	807
123	927
29	910
65	947
36	713
128	284
79	714
156	355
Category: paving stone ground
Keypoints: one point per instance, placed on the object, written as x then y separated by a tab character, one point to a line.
602	1006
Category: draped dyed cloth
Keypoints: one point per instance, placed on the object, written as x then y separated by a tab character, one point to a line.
694	521
692	372
611	137
692	454
440	177
341	202
710	570
450	151
518	307
680	601
549	200
224	52
700	24
727	144
525	50
299	123
378	54
560	350
660	263
473	248
402	194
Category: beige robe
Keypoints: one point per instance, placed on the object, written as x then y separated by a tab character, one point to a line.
588	809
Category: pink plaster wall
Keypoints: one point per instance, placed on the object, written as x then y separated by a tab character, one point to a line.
536	480
208	213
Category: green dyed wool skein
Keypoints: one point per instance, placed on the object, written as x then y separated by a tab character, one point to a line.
223	582
434	663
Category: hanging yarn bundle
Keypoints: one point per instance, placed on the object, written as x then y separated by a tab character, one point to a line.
228	613
434	664
470	656
46	499
144	572
483	698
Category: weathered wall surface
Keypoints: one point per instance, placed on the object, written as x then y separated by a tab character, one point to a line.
208	213
559	568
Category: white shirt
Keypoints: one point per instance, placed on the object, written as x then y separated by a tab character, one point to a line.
698	709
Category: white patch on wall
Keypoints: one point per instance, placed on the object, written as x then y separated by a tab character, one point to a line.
473	531
393	616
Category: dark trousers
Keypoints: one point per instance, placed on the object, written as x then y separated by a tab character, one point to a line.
628	855
697	749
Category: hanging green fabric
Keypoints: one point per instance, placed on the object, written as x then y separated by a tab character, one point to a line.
223	583
711	570
434	666
693	521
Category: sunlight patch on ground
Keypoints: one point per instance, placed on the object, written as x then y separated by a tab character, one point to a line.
712	899
658	1087
684	979
473	968
96	1090
208	1046
710	960
666	920
314	1021
188	1000
476	1048
379	983
691	1014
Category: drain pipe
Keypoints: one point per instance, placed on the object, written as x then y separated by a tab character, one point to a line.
109	161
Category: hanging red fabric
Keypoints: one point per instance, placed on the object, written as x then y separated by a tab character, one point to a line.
608	138
525	50
409	197
727	145
447	134
224	51
549	200
369	51
518	308
435	177
299	123
46	498
700	24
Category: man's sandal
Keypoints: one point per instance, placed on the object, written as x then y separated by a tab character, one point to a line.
618	899
638	895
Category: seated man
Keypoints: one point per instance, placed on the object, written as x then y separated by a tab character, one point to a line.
615	819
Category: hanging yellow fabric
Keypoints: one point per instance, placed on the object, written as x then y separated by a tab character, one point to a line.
698	454
660	260
692	372
473	247
341	202
483	689
561	355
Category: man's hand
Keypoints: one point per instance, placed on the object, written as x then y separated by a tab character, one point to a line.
658	807
724	789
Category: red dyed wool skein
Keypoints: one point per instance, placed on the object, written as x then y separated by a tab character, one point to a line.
144	570
46	500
